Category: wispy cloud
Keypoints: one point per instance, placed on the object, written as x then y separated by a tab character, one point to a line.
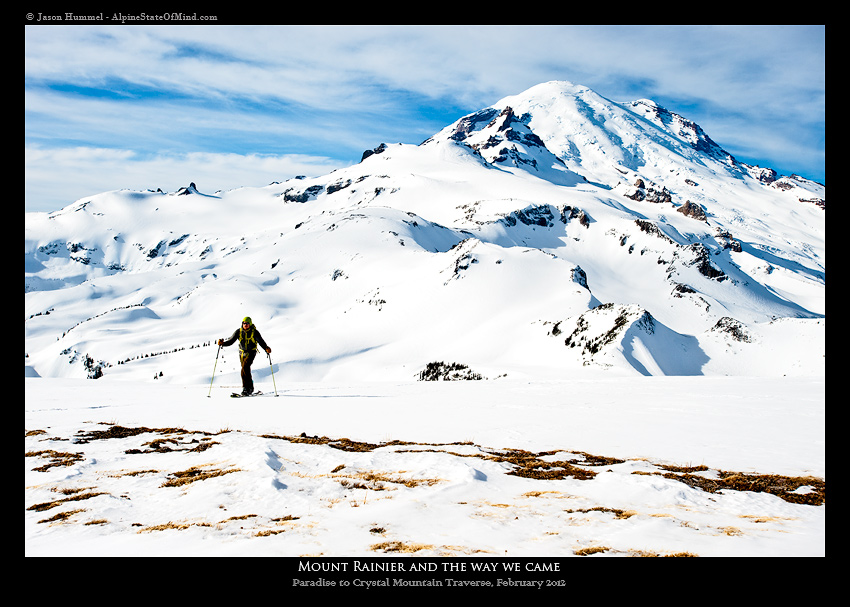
65	173
313	98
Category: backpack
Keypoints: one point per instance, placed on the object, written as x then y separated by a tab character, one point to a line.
247	341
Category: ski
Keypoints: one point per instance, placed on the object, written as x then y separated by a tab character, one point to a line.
238	395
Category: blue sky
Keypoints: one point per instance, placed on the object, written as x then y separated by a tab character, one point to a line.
110	107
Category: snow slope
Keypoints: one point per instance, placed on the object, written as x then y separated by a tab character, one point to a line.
623	286
468	247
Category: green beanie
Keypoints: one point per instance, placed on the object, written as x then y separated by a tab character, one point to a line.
248	320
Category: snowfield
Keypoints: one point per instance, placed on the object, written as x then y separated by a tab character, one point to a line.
425	469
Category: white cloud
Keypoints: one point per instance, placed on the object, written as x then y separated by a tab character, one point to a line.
58	177
332	66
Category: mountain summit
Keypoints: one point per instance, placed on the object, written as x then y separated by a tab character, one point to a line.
598	138
555	233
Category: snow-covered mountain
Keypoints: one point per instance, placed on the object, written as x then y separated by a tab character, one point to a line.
554	234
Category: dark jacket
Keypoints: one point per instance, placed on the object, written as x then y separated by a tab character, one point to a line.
248	340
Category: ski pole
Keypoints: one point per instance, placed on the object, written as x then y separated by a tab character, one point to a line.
214	366
272	368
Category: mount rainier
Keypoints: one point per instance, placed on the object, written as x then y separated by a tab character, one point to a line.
554	234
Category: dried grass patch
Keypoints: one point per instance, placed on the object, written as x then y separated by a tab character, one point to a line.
48	505
619	514
632	553
165	527
754	518
194	474
375	481
346	444
57	458
370	480
402	547
784	487
649	553
62	516
133	473
591	550
555	494
159	445
116	431
268	532
242	517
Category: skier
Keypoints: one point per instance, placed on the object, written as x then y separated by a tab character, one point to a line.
248	337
